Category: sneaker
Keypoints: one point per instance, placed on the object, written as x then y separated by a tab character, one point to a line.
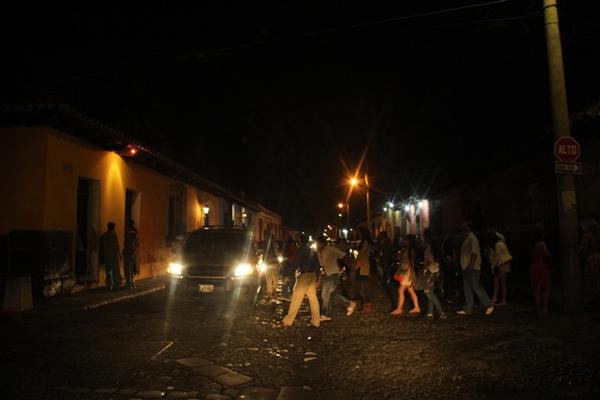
489	310
429	316
444	316
462	312
325	318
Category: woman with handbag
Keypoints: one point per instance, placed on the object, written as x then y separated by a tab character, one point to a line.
406	277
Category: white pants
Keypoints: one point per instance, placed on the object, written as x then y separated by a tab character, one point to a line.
306	284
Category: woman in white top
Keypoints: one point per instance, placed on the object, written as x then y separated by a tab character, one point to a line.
500	259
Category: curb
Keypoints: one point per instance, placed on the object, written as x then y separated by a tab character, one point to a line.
124	298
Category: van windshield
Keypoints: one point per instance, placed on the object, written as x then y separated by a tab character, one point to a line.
217	247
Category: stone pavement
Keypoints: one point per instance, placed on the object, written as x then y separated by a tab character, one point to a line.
198	347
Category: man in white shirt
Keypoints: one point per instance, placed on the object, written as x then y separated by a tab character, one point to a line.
328	259
470	263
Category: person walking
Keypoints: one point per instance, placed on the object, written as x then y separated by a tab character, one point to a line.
363	270
130	247
306	263
500	259
539	273
288	274
110	256
470	263
385	258
328	259
431	267
451	269
406	277
271	263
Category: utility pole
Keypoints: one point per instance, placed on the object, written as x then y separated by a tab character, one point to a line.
565	183
348	213
368	204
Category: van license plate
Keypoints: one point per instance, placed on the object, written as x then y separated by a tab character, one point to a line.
206	288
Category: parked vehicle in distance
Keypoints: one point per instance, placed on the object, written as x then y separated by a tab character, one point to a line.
213	258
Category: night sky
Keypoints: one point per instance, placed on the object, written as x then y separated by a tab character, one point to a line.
277	103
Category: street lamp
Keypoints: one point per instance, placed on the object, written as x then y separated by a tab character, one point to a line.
205	210
354	182
340	207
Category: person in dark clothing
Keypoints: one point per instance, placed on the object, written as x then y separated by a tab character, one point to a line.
386	268
110	256
130	247
306	263
288	274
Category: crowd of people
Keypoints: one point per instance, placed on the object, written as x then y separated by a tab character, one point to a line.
413	272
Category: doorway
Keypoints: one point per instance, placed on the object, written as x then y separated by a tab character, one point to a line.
87	230
132	206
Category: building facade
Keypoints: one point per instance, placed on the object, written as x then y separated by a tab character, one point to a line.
62	190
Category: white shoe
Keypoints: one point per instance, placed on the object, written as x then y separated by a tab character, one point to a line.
462	312
489	310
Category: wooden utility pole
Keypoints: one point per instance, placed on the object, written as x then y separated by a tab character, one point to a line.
368	204
565	183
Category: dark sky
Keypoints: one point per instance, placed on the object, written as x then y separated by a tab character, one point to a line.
277	102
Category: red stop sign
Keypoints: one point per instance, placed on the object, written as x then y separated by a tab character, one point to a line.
566	149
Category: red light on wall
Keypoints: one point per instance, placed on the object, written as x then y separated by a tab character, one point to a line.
132	151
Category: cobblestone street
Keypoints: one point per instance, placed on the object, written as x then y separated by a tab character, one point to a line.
207	346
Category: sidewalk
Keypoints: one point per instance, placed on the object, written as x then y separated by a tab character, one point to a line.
93	298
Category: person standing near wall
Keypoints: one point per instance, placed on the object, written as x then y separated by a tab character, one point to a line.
130	247
110	256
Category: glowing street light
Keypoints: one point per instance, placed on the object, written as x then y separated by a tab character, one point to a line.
205	210
354	182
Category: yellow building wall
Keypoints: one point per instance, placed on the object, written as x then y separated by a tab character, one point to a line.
115	175
22	170
42	166
196	200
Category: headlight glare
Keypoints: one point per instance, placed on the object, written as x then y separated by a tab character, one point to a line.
175	268
243	270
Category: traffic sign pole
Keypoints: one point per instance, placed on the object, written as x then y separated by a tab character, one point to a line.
567	199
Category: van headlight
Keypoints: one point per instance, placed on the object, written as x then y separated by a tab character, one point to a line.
243	270
175	268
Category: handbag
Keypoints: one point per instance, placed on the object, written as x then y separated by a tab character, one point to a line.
399	277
